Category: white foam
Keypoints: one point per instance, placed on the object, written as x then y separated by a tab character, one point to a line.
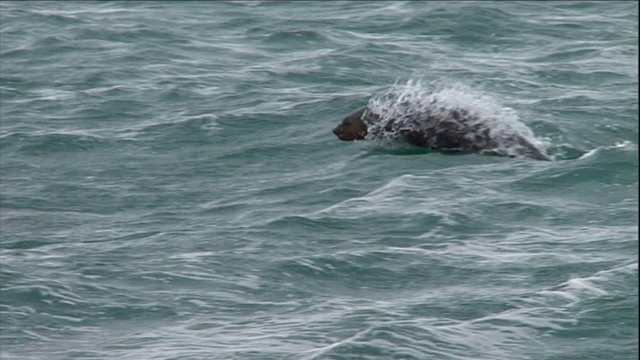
588	154
622	145
618	146
584	285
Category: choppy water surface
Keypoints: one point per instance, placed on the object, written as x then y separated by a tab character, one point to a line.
171	189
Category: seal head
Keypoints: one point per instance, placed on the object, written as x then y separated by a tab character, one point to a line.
353	127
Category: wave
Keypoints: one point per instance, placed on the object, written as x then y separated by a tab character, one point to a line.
45	143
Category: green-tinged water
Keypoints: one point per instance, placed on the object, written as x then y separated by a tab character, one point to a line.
171	188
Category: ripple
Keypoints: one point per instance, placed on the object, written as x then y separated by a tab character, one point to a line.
170	187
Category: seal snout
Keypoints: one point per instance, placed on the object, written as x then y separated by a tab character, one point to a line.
352	127
345	134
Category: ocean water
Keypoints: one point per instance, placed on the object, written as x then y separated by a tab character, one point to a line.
171	188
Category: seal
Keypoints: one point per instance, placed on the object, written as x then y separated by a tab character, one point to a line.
439	129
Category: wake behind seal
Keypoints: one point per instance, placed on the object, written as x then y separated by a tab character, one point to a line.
441	129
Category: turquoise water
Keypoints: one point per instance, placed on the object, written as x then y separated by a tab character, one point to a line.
171	189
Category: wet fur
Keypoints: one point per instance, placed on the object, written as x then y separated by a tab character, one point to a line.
444	130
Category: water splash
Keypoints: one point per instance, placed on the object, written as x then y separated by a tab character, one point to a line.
481	112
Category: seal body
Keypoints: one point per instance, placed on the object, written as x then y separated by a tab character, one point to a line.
439	129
